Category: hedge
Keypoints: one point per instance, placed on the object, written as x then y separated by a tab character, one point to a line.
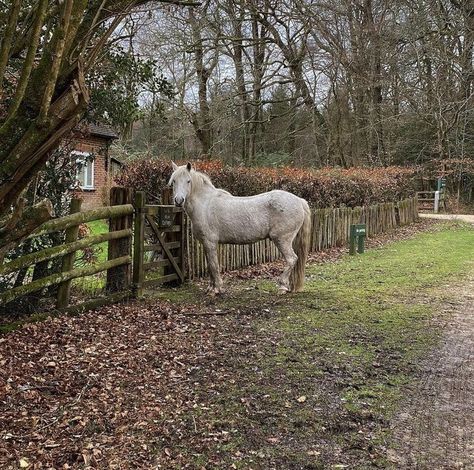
327	187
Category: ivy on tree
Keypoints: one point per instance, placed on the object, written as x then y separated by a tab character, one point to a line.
118	86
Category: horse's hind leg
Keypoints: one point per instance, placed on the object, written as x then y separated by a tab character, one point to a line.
215	286
285	245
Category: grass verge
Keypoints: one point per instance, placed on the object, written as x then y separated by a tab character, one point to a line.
315	378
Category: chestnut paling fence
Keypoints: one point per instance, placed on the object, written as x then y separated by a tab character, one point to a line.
329	228
151	245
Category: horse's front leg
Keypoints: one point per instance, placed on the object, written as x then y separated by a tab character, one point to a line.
215	286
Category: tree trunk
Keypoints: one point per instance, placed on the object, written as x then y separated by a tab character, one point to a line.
202	119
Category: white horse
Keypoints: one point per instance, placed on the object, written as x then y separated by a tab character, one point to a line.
219	217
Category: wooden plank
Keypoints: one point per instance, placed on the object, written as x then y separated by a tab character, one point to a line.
159	263
55	225
118	278
57	278
161	280
155	209
56	251
138	243
157	246
64	291
172	228
165	248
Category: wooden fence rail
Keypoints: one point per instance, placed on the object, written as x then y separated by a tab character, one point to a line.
329	228
117	266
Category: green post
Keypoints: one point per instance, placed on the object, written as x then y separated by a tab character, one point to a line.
64	290
352	241
357	238
138	243
360	244
441	183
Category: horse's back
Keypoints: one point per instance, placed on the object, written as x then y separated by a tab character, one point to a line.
246	219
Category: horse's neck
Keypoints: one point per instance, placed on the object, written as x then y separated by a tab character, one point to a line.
197	201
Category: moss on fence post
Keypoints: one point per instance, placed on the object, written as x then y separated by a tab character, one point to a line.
118	278
138	242
64	290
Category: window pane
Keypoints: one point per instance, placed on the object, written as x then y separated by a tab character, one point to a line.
84	169
81	174
88	174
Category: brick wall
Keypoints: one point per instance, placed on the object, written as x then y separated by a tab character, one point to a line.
98	196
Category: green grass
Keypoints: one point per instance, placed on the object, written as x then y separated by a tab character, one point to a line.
351	343
96	227
95	283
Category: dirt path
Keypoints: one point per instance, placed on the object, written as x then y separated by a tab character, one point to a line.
435	429
469	218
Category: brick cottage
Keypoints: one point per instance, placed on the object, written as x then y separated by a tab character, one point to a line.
95	167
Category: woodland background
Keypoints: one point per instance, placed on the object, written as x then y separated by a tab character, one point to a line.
272	83
306	83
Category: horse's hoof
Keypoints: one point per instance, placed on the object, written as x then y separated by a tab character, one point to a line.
215	292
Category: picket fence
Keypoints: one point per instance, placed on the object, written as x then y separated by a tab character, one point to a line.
329	228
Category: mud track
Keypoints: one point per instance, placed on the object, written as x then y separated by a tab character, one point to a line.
435	428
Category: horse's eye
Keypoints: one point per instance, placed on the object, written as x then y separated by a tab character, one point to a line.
189	181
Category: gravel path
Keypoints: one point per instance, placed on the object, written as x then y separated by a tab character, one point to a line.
435	429
469	218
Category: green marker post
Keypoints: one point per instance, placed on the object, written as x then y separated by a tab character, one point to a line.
357	238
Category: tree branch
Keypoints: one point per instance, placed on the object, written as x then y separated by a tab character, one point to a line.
29	61
7	39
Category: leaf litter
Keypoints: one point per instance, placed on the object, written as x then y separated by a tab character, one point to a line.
139	385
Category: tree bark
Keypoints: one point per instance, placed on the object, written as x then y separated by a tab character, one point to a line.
202	119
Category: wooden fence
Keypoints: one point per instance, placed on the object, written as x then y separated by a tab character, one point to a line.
158	243
117	266
330	228
163	241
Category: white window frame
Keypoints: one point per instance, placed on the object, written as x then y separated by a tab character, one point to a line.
81	157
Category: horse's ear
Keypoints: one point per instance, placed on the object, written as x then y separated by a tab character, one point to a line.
189	166
175	167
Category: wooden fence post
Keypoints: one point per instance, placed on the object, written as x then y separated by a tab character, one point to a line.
118	278
167	199
138	243
182	249
64	290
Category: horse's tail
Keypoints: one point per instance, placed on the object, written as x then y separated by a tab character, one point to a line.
301	248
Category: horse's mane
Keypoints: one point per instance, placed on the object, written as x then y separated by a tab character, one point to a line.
200	179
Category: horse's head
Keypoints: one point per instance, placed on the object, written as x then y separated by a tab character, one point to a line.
181	182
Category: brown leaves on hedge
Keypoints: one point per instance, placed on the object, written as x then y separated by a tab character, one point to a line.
321	188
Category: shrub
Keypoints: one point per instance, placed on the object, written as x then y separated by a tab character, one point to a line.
321	188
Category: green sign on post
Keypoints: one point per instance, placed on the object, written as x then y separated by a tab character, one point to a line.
441	183
357	237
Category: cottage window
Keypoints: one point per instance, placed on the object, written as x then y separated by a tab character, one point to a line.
85	170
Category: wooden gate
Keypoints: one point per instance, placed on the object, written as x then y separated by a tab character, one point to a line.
158	243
